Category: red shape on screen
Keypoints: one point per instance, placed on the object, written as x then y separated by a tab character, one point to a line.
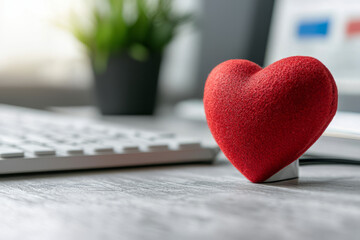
264	119
353	28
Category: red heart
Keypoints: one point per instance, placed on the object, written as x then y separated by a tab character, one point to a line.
264	119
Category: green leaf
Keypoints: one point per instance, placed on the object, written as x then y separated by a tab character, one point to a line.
112	33
139	52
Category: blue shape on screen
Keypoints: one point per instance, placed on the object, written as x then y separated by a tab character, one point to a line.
310	29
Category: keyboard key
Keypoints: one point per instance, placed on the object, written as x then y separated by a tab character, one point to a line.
37	149
129	147
154	135
158	146
11	139
10	152
37	138
187	143
99	148
68	149
11	130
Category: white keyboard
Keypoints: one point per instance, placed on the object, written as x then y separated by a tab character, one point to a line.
38	141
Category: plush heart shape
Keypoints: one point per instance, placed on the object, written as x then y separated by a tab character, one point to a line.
264	119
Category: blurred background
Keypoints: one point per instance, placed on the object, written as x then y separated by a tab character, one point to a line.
62	53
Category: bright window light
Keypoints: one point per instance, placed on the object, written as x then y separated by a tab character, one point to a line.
35	49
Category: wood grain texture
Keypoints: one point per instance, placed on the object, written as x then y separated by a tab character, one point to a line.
178	202
181	202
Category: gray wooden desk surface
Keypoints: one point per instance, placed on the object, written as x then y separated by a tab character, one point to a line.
180	202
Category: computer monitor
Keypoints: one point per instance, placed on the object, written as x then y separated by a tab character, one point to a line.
328	30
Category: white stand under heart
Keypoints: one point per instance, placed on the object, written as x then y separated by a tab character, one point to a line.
291	171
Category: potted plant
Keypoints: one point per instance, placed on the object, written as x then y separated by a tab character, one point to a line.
125	43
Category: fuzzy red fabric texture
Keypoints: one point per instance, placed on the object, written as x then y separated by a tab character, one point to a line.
264	119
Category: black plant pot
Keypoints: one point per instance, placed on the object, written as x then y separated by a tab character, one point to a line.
127	86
